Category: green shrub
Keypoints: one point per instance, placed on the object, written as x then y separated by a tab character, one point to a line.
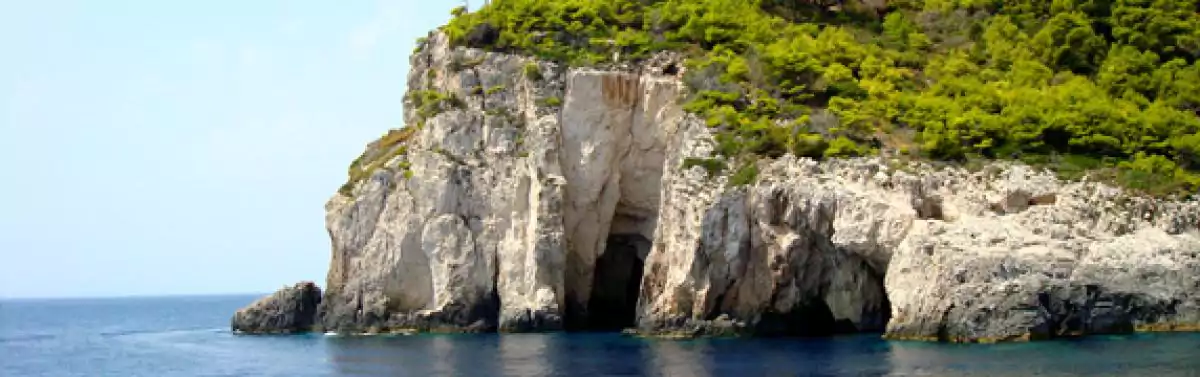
533	71
1156	175
420	45
844	147
810	145
429	102
1108	81
746	174
550	102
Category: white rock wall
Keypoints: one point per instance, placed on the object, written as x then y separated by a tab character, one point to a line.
496	215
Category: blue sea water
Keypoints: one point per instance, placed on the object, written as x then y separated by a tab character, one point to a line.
189	336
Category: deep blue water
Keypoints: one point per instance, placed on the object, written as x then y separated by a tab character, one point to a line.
188	336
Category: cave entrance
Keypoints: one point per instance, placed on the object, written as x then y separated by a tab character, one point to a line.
815	318
616	283
847	297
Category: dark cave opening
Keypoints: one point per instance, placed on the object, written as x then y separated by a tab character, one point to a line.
885	316
616	284
815	318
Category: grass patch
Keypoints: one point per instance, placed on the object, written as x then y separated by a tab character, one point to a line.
388	147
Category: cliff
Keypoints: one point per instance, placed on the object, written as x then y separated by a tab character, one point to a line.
722	167
527	196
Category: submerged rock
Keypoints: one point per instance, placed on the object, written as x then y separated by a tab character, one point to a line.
289	310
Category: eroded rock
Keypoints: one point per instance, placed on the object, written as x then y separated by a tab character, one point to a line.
289	310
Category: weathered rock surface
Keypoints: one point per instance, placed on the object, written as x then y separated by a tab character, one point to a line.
537	198
789	255
289	310
1006	253
1029	257
507	200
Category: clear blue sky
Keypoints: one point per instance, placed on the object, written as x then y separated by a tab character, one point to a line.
187	147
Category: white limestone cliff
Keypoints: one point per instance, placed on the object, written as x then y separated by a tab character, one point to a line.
532	197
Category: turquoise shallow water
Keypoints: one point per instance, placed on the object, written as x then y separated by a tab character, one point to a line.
188	336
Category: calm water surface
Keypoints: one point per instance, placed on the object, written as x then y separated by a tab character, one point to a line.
188	336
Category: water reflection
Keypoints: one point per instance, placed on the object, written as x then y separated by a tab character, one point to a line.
527	355
1139	355
423	355
592	355
671	358
553	355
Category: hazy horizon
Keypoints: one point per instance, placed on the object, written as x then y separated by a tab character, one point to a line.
249	295
177	149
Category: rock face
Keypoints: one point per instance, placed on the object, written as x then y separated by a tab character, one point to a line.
511	188
794	254
1006	253
531	197
1027	257
289	310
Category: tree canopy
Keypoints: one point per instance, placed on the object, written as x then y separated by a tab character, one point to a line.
1108	86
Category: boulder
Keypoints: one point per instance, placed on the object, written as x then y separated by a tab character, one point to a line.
287	311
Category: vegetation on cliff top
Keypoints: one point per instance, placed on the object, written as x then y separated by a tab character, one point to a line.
1108	86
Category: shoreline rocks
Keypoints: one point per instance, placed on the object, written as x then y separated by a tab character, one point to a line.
289	310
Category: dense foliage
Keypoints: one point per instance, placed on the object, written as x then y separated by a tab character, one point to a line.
1079	85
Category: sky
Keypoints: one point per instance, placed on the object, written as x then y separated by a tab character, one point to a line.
187	147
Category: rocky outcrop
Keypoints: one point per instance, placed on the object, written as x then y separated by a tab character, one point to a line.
532	197
496	213
1010	266
289	310
792	254
1004	253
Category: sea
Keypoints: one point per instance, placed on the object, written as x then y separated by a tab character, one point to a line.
189	336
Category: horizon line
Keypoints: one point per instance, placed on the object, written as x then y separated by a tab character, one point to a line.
130	296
